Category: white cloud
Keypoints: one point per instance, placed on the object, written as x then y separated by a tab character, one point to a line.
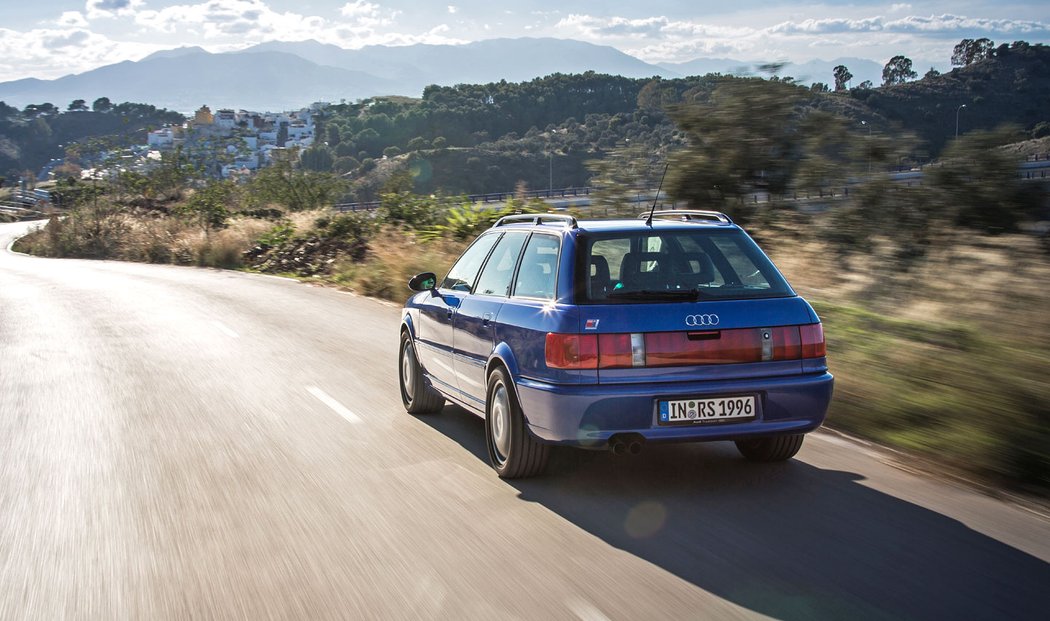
900	8
223	19
946	24
359	8
614	27
111	8
72	19
452	9
55	52
231	24
660	39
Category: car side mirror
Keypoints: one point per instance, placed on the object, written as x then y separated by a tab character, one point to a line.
423	282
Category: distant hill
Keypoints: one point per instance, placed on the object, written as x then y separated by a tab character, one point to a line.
281	75
185	80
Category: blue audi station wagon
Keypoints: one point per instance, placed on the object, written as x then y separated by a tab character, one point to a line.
616	334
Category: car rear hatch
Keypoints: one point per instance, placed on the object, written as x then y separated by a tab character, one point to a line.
715	340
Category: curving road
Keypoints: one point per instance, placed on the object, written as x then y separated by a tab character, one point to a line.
185	443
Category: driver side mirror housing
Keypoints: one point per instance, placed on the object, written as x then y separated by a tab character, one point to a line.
426	281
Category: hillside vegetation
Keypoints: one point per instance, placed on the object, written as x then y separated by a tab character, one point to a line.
1011	87
31	137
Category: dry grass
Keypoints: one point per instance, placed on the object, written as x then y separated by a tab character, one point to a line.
946	359
144	237
393	258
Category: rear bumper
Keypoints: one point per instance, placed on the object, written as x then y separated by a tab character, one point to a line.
588	415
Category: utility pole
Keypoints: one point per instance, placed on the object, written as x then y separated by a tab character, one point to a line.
957	111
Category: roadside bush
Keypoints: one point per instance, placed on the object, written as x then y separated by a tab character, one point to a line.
223	251
467	220
354	229
949	391
410	210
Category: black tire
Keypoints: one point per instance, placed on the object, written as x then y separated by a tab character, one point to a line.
777	448
418	396
513	451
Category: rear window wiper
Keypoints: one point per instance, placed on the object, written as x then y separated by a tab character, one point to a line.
675	295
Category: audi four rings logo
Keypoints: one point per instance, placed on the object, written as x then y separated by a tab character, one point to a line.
701	320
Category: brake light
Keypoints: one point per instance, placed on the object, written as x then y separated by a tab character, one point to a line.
668	349
787	343
813	345
614	351
571	351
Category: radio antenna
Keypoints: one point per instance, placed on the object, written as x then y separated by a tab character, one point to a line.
649	220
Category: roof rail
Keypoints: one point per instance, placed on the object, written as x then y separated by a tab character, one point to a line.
538	218
690	214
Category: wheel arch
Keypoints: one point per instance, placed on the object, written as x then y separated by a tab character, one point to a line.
408	325
503	356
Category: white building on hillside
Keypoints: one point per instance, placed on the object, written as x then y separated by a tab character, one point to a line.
163	138
226	119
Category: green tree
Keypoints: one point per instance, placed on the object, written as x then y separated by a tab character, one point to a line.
318	158
345	164
297	190
102	104
746	138
334	134
898	71
33	111
977	183
78	105
625	177
209	206
842	77
969	51
346	148
167	179
932	73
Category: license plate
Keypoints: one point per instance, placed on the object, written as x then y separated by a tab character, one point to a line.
704	410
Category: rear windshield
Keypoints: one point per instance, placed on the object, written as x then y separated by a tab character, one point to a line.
685	265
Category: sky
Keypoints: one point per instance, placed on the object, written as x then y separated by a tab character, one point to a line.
58	37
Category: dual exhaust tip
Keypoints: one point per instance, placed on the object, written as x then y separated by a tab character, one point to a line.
626	445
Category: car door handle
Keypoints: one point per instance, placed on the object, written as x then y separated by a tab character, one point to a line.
486	318
449	312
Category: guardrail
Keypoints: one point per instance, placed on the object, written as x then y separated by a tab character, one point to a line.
492	197
19	211
1034	167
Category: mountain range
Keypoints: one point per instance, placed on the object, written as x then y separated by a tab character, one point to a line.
288	75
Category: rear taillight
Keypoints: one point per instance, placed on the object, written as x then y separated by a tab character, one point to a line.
571	351
668	349
787	344
813	345
615	352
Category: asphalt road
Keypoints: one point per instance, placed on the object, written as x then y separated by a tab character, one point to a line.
184	443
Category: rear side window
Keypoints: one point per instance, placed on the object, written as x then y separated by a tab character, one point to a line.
538	274
682	265
498	271
463	274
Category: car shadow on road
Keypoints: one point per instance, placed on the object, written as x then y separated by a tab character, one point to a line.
787	540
